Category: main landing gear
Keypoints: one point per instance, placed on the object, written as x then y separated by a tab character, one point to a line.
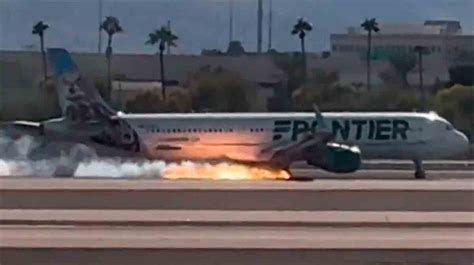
419	171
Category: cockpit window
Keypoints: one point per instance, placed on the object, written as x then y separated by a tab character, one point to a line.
449	127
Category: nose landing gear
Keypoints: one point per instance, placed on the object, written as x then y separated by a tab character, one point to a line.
419	171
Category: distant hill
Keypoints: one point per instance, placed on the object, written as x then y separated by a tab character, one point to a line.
204	23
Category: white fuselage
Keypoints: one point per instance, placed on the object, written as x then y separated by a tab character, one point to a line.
255	136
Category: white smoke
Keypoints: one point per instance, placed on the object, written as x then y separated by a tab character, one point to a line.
29	156
117	168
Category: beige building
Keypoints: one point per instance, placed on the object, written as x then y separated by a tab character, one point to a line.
444	39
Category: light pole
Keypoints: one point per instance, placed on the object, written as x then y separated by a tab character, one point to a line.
259	30
421	50
270	21
99	45
231	21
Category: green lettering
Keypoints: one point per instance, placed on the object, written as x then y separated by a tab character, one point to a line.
343	131
400	128
371	129
360	124
383	130
298	128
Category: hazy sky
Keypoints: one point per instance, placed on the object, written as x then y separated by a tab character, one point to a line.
204	23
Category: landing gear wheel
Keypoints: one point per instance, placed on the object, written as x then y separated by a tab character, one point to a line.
420	174
419	171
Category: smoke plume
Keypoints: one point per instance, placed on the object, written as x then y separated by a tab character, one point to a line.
33	156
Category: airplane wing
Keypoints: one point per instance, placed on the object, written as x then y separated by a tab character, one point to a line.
317	149
283	154
16	129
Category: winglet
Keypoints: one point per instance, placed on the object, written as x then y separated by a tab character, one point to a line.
319	116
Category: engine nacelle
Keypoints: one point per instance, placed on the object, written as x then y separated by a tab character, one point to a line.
337	158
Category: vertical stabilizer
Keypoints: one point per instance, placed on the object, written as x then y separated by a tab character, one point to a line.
77	104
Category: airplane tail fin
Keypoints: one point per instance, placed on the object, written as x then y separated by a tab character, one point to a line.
77	103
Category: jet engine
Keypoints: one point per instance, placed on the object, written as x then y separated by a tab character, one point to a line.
336	158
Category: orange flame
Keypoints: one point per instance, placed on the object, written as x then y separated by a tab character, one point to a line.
222	171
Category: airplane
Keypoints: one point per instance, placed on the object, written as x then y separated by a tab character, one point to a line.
336	142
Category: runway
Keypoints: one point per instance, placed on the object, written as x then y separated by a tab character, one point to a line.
318	195
235	237
377	217
193	218
382	174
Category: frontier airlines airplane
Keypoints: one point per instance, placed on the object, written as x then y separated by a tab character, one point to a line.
335	142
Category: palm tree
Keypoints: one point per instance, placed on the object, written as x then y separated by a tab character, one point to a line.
111	26
301	28
421	50
163	37
39	29
370	25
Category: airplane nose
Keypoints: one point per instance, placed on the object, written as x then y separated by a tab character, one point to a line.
461	143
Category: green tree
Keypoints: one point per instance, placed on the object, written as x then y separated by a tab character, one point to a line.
147	102
462	75
457	105
421	51
163	37
151	102
291	67
39	29
111	25
218	90
235	48
301	28
370	25
323	88
403	63
389	99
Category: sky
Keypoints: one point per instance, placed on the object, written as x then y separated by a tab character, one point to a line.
203	24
